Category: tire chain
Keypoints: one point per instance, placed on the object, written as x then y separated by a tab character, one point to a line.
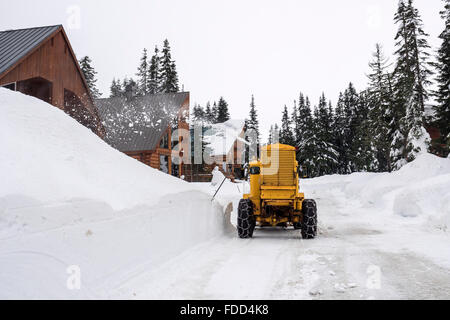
309	224
246	223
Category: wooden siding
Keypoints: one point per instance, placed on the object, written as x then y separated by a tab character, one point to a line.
53	60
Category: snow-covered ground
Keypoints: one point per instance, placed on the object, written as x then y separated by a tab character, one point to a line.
382	236
69	202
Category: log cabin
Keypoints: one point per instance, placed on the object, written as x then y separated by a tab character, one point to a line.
142	127
41	62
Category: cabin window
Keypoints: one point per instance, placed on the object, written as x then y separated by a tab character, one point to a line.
164	144
10	86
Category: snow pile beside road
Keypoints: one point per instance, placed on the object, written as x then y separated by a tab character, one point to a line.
68	199
421	189
48	157
218	177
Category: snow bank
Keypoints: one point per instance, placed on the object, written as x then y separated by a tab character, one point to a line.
217	178
68	199
229	193
48	157
420	189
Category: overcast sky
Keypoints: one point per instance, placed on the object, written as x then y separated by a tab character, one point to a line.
272	49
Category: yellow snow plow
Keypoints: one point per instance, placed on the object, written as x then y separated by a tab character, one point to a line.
274	198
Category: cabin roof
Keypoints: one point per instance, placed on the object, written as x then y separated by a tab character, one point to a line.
17	44
137	124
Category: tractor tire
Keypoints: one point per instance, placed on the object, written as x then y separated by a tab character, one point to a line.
309	223
246	220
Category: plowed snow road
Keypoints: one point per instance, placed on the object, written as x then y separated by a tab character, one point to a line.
360	254
182	249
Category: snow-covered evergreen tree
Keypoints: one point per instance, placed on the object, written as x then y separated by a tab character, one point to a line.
276	134
317	153
270	139
214	113
129	87
154	73
209	114
223	114
142	74
308	140
442	109
326	153
89	74
169	75
340	130
363	151
116	88
252	123
198	114
303	116
295	124
411	80
380	105
348	129
286	135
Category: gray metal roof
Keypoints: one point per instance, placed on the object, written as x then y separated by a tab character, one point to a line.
138	124
16	44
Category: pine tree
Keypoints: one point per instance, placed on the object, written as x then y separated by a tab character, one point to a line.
142	74
276	134
317	154
348	130
295	124
270	140
214	113
442	109
198	114
169	75
129	87
286	135
411	79
116	89
363	152
223	114
89	74
252	124
380	106
154	75
303	115
340	131
326	153
307	154
209	115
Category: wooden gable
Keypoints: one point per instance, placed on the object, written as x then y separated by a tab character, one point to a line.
51	72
